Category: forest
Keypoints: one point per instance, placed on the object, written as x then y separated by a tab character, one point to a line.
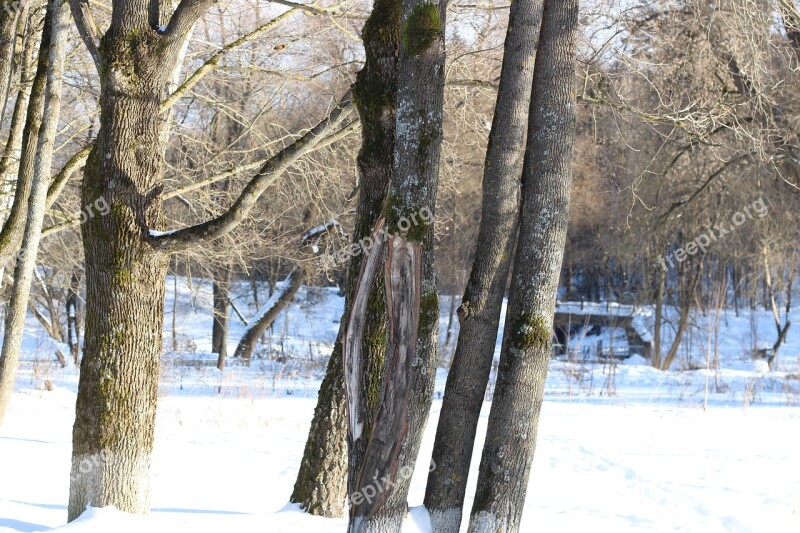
366	259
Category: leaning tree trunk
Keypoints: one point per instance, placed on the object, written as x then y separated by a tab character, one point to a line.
527	343
10	14
14	225
322	481
412	302
270	311
479	312
57	18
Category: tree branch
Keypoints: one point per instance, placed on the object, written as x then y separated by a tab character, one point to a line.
187	13
84	21
213	61
207	231
327	141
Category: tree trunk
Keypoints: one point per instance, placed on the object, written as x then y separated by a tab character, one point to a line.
527	344
14	225
479	312
685	303
412	302
661	280
10	14
125	274
270	311
52	65
323	478
219	327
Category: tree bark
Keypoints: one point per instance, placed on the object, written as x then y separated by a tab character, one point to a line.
322	481
57	18
125	275
479	312
661	280
527	343
410	279
10	14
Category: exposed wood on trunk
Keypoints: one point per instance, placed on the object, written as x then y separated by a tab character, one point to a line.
403	278
353	339
409	215
320	485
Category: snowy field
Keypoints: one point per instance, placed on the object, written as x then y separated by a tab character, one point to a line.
622	447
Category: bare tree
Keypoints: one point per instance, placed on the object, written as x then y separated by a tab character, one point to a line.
51	65
479	312
527	342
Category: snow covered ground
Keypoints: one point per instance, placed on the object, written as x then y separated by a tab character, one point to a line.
622	447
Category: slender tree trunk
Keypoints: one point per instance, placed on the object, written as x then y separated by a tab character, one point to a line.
57	18
412	302
323	477
219	327
527	344
14	225
10	14
266	316
685	303
661	277
480	309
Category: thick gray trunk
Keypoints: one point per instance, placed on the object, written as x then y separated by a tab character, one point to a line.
479	312
58	14
321	485
125	276
410	278
527	344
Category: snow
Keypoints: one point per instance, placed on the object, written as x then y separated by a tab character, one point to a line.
156	233
622	446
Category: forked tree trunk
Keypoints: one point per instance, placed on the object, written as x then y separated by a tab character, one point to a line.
527	343
52	63
687	292
126	261
479	312
379	501
125	275
321	485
